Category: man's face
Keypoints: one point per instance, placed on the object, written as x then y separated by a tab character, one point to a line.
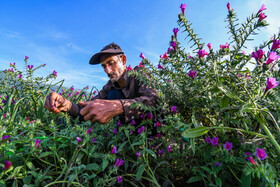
114	66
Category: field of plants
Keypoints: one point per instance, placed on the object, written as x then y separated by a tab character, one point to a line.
217	122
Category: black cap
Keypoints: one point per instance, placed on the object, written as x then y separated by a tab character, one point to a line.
112	48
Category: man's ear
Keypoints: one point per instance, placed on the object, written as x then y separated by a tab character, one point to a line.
124	59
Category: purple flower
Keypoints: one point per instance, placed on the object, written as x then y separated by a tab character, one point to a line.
115	131
114	150
138	155
228	146
262	16
209	46
261	154
157	124
7	165
129	68
159	66
228	6
202	53
160	153
215	140
30	66
150	115
271	57
141	129
159	135
217	164
132	122
89	131
5	115
169	148
226	46
174	44
119	179
275	45
174	109
247	154
6	137
168	50
93	140
192	74
262	8
258	54
37	144
20	76
26	58
271	83
175	30
142	56
142	116
119	162
183	7
54	73
208	140
79	139
252	160
119	123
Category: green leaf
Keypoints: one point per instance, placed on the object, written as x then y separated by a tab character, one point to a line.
206	169
192	133
140	171
27	179
193	145
136	143
121	146
194	179
248	108
226	91
71	179
245	180
224	102
46	154
14	173
31	166
105	164
218	181
194	120
92	166
152	153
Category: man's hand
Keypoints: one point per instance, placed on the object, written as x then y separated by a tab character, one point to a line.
56	103
101	111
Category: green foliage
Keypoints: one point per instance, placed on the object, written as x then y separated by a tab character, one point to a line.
224	100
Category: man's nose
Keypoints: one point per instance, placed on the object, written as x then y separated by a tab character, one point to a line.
108	69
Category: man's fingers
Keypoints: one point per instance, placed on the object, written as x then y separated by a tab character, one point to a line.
84	103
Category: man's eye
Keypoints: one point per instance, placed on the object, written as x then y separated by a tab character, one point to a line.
111	63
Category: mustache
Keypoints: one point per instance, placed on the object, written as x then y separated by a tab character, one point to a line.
110	74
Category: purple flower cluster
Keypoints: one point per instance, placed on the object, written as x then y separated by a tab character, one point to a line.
215	141
119	162
141	129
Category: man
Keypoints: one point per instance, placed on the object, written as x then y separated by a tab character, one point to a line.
115	97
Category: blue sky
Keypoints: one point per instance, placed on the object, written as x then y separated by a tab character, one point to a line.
65	34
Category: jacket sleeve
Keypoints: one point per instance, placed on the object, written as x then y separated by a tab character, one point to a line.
76	108
147	96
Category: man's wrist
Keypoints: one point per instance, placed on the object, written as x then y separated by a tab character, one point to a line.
68	105
118	107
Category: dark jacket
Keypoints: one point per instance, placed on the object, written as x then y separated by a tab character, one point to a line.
133	91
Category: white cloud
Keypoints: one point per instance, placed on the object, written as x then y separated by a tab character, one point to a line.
77	48
8	34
